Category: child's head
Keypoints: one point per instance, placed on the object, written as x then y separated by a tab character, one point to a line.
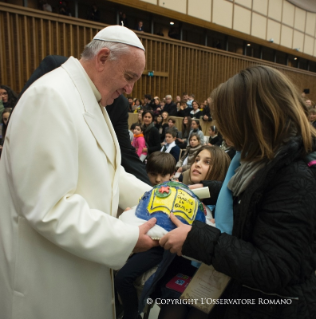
210	163
137	102
171	135
213	130
158	118
160	167
194	140
195	105
165	115
138	129
171	122
312	114
195	124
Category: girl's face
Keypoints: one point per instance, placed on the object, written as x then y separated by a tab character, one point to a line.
312	117
137	103
200	167
185	120
4	95
212	133
170	123
194	125
147	119
194	141
159	119
195	106
5	117
164	115
137	130
139	117
157	102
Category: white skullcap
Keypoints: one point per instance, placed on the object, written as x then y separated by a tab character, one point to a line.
119	34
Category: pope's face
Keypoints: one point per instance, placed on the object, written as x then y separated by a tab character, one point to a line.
119	76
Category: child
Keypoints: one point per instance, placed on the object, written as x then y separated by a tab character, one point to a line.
171	146
139	141
160	168
187	159
196	128
312	116
215	137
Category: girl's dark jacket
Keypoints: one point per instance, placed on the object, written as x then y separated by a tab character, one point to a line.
271	254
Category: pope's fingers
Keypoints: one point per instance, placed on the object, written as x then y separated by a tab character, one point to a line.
163	240
148	225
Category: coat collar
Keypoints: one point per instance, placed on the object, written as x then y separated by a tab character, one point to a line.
95	116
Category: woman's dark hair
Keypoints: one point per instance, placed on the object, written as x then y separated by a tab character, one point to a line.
186	128
5	126
12	96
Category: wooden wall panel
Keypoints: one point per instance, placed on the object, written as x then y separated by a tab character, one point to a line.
28	35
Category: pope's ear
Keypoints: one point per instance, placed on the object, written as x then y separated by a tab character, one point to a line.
102	57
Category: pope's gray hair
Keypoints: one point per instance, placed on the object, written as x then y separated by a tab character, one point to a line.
93	48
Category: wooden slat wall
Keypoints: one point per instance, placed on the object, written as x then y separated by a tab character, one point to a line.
28	35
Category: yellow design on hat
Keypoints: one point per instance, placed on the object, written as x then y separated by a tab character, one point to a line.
119	34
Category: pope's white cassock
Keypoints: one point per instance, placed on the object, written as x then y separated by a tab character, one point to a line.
60	186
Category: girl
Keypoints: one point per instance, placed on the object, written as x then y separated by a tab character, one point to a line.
196	128
156	106
9	97
151	134
137	106
215	137
139	141
187	159
4	123
196	112
186	127
164	123
158	124
267	198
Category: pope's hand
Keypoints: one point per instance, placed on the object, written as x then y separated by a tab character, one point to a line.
144	242
174	240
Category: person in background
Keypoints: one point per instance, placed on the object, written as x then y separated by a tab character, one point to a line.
215	137
185	97
185	131
139	141
187	158
137	105
172	125
267	197
148	103
45	6
170	106
206	113
158	125
4	124
94	14
156	105
123	19
170	145
160	168
140	26
130	104
196	112
196	128
184	110
162	105
178	98
150	132
165	124
190	100
9	97
312	116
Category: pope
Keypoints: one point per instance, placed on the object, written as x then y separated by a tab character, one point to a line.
61	183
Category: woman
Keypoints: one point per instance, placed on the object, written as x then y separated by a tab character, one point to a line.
151	134
137	105
165	125
206	113
196	128
4	123
9	97
270	201
215	137
186	127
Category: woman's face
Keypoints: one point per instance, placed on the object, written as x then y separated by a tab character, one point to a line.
194	125
195	106
157	102
164	115
159	119
4	95
185	120
194	141
140	117
137	103
200	167
5	117
147	119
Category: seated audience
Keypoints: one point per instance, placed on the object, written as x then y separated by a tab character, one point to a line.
184	110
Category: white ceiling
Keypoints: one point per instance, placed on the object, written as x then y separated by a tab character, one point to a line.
308	5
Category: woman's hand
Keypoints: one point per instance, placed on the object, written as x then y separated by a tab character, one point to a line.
174	240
